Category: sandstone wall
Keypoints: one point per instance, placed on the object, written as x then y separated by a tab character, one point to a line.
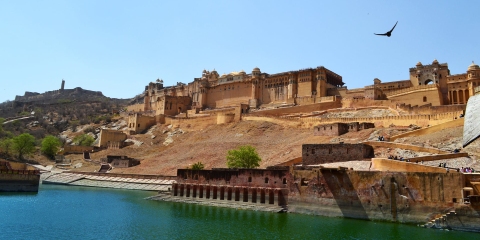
76	149
388	196
313	154
297	109
405	146
429	130
111	136
382	164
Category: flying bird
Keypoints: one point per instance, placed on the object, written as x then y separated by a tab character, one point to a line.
389	33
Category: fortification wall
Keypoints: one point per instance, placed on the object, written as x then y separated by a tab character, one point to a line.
418	95
405	146
313	154
297	109
136	107
383	164
390	196
366	103
419	120
187	122
225	118
429	109
229	95
450	124
55	95
76	149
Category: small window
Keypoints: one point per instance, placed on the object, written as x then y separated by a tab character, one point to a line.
266	180
424	99
284	181
303	182
313	151
139	125
249	179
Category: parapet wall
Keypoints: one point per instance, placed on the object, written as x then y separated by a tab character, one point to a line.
432	129
419	120
383	164
297	109
313	154
405	146
76	149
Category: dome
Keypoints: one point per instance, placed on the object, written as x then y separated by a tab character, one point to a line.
435	61
473	66
241	72
419	64
256	69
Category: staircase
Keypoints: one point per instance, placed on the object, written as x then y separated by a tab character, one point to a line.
440	222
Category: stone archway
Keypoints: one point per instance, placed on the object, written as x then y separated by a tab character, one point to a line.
429	81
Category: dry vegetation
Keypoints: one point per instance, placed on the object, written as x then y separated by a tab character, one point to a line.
275	143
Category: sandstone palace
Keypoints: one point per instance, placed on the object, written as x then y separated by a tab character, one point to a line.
427	84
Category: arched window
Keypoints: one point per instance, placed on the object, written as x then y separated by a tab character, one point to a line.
424	99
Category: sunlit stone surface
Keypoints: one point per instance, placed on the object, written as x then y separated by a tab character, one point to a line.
471	127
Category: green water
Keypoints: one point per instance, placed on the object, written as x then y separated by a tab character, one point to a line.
60	212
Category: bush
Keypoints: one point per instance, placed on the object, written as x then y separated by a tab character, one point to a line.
198	166
243	157
50	146
84	140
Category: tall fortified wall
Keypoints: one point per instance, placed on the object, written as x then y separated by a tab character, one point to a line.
55	96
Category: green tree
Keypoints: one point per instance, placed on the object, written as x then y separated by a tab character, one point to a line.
23	144
2	120
198	166
243	157
50	146
6	145
84	140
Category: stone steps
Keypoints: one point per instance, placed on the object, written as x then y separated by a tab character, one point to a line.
219	203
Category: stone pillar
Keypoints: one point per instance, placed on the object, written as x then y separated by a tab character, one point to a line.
245	194
239	194
222	193
175	189
262	196
276	191
251	194
182	190
187	194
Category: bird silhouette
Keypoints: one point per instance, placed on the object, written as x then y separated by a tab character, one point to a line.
389	33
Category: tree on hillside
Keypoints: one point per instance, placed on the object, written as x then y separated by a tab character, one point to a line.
2	120
50	146
6	146
23	144
84	140
243	157
198	166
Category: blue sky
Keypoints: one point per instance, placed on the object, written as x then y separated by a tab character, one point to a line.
118	47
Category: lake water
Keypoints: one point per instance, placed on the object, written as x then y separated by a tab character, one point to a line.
61	212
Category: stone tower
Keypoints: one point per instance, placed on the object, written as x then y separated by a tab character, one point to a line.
63	85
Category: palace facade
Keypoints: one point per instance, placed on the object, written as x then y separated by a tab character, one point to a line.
428	84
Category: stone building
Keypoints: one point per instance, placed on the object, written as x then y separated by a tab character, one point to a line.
111	138
313	154
137	123
260	186
337	129
212	90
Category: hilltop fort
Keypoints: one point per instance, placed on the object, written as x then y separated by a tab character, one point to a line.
49	97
